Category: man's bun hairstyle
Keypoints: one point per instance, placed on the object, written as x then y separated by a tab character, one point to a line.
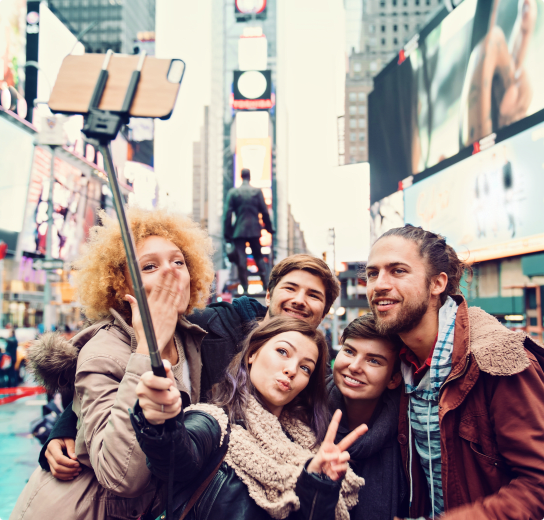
440	257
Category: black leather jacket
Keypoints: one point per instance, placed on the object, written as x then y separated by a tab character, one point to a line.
188	447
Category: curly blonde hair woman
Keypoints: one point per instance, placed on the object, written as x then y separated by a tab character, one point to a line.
104	362
103	279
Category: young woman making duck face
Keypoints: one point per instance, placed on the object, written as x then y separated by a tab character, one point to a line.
273	402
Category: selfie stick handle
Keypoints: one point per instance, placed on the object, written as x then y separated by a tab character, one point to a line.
104	126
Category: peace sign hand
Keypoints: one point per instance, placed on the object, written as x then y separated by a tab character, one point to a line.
332	459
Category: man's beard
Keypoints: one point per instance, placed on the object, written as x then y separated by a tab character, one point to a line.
409	317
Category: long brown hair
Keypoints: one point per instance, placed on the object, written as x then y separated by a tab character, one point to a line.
310	405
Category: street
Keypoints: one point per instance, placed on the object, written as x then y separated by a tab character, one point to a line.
18	449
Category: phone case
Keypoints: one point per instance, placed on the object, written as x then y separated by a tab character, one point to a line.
155	96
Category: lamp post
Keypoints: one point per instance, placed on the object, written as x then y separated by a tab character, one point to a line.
336	304
3	251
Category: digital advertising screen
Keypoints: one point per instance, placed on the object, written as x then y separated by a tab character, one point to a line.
476	72
68	208
489	205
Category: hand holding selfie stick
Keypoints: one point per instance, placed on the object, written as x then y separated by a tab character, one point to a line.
104	126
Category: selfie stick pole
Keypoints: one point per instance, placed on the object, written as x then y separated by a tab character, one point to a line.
104	126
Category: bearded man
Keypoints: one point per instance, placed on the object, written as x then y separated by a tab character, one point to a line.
471	423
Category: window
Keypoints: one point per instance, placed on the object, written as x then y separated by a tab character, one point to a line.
395	28
357	67
404	3
362	136
394	3
362	123
353	123
383	28
395	41
382	3
362	95
362	149
352	110
372	29
353	96
362	110
416	2
428	2
406	27
352	149
353	137
383	41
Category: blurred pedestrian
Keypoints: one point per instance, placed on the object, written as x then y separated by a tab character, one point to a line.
11	351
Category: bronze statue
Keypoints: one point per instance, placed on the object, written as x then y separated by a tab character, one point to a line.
247	202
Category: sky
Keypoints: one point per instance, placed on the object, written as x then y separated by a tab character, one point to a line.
314	56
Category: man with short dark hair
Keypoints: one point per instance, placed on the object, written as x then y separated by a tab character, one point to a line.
301	286
471	423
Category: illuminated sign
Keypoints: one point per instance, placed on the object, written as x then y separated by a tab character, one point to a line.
245	10
486	204
252	89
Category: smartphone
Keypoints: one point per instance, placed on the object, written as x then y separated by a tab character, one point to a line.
156	95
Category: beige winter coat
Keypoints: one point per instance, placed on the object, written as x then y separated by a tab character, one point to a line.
115	482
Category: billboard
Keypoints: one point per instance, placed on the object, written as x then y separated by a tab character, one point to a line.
386	214
245	10
68	208
490	204
472	73
12	43
252	89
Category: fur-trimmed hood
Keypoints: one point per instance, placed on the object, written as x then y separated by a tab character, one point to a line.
497	350
52	358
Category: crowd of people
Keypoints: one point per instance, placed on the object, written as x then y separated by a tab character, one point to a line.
433	409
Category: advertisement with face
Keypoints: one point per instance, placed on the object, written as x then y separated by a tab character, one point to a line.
476	72
488	205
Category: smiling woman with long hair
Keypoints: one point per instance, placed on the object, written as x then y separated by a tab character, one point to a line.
268	418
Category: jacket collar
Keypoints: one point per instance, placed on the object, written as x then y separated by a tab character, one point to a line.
496	350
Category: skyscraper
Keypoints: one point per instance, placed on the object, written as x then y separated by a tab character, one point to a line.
115	24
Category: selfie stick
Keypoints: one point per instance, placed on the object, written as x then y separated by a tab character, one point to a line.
104	126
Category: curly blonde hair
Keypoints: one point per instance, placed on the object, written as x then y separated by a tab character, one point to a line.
102	278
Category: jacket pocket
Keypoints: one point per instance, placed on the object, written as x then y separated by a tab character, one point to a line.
476	430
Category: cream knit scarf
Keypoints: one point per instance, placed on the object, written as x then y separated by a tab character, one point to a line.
269	463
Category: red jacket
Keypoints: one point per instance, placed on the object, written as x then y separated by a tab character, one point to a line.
491	414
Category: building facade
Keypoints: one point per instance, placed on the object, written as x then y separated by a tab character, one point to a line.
112	24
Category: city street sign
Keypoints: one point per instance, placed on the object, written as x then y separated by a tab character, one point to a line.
53	277
48	265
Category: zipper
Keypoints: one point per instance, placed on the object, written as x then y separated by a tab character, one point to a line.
444	484
313	506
